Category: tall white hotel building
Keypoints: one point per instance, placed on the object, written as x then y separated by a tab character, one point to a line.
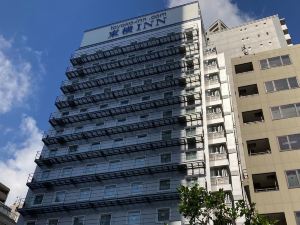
146	107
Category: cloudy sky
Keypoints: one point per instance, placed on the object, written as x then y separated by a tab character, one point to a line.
36	41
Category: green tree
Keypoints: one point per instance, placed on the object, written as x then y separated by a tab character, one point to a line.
201	206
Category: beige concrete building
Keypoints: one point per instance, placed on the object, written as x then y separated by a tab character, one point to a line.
267	92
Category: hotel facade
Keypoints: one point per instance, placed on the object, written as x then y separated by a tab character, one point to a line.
148	105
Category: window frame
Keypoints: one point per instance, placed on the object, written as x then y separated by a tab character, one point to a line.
160	221
73	219
165	153
289	143
298	178
159	184
54	197
41	194
133	211
89	195
48	220
288	83
102	214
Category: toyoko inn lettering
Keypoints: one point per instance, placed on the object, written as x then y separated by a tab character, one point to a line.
137	25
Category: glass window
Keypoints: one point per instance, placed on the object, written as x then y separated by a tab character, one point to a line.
294	141
297	215
103	106
38	199
275	113
110	191
78	220
148	82
281	84
84	194
136	188
293	178
288	111
275	61
167	114
164	185
190	131
134	218
53	222
144	117
105	219
293	82
168	94
264	64
45	174
163	214
166	135
165	158
125	102
95	146
283	143
90	168
286	60
269	86
66	172
191	155
298	108
114	165
127	85
139	162
52	152
145	98
59	196
73	149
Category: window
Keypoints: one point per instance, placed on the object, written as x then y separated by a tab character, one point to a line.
65	113
38	199
100	123
121	120
145	98
190	100
148	82
253	116
259	146
166	135
164	185
80	128
163	214
281	84
279	217
168	77
125	86
265	182
118	140
191	142
53	222
134	218
139	162
275	62
105	219
168	94
191	155
90	168
30	223
289	142
78	220
103	106
293	178
52	152
136	188
110	191
165	158
285	111
243	68
95	146
248	90
142	136
189	36
73	149
83	110
297	215
84	194
124	102
89	93
144	117
107	90
167	114
114	165
45	174
59	196
66	172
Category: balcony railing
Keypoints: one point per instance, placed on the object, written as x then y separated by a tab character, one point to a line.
208	69
7	212
217	156
96	53
94	112
210	99
212	116
216	135
97	203
217	181
72	72
211	82
90	152
53	137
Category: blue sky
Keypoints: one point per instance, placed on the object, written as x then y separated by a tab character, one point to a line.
36	41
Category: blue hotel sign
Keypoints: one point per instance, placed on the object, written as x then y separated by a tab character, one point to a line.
137	25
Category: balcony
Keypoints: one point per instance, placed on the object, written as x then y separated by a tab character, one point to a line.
128	147
97	54
99	203
217	156
73	72
216	135
211	68
210	53
258	147
214	116
7	212
220	182
83	177
94	112
63	101
254	116
53	137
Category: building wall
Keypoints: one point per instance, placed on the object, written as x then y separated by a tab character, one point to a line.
286	199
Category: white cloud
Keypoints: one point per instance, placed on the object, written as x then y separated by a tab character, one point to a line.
212	10
15	170
15	78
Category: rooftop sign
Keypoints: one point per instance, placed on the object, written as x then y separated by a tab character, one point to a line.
140	24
